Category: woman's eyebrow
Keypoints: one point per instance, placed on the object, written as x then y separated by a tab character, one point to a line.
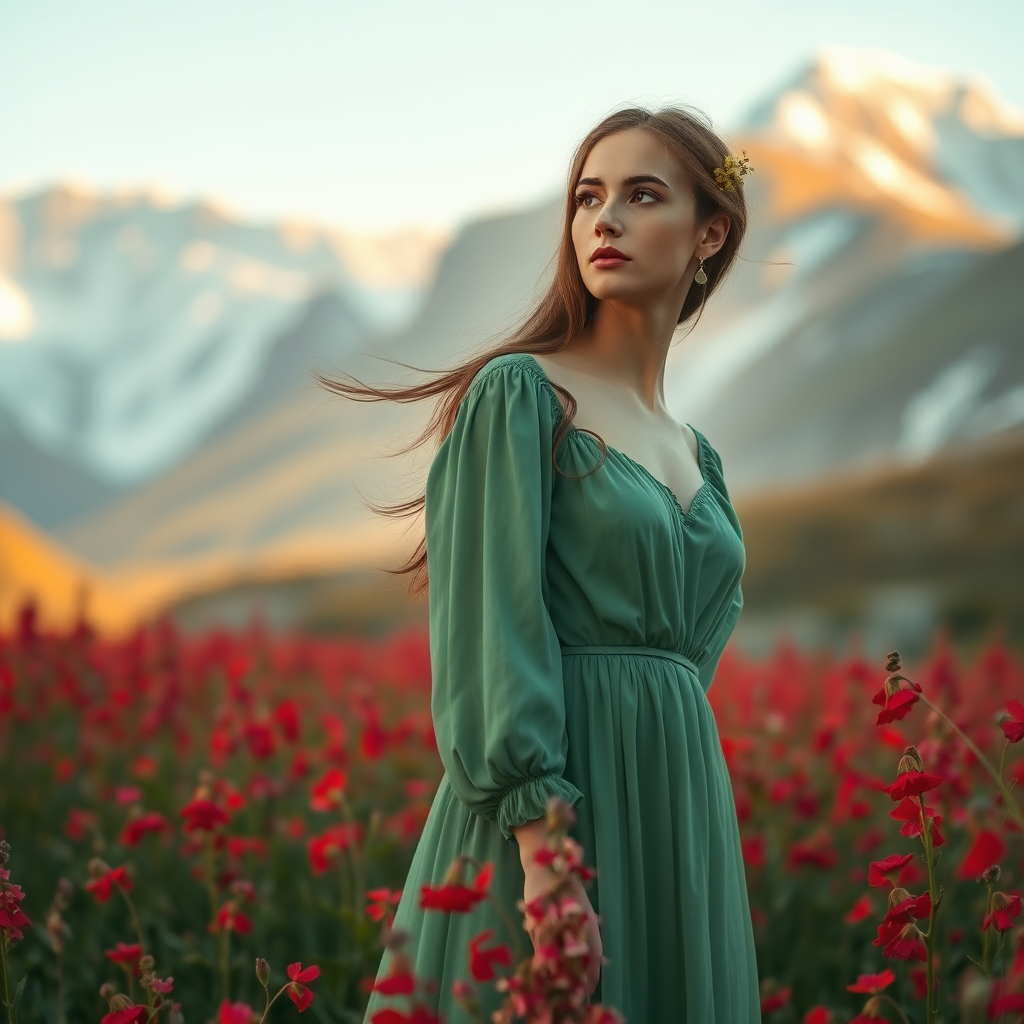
635	179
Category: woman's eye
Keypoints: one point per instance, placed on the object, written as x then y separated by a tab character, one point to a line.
645	192
582	197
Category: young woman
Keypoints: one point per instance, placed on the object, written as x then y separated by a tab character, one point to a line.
584	566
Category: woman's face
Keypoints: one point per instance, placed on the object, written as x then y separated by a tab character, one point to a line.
633	195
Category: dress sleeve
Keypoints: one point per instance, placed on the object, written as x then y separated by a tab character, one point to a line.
497	697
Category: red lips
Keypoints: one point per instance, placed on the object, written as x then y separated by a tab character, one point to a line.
607	253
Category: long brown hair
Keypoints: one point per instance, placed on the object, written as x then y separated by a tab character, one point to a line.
567	306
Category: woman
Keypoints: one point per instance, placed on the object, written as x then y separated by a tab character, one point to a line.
583	581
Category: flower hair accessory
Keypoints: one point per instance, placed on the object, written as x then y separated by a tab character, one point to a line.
728	177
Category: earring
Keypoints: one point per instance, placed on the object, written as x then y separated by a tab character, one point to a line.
700	277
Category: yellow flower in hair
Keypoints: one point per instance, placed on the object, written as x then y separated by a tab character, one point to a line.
728	177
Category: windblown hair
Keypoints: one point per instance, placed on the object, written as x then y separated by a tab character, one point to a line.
567	306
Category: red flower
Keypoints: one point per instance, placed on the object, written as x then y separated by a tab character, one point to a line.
776	1000
234	1013
324	848
229	919
11	916
897	707
202	816
815	852
327	792
858	911
907	945
452	899
872	983
300	996
481	960
296	972
102	887
1006	906
879	870
985	851
136	828
1013	727
911	784
125	954
383	903
128	1015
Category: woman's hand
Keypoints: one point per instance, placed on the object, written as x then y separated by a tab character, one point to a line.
539	880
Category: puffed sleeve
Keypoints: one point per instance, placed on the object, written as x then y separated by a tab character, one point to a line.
497	697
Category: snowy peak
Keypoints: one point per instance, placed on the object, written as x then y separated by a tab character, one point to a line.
872	128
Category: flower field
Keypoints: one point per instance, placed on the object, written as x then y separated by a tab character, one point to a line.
176	807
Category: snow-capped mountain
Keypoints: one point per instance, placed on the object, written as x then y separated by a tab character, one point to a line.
130	328
876	314
880	188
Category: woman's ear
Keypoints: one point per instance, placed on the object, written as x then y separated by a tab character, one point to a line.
715	233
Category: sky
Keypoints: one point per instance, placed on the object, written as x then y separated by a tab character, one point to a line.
385	115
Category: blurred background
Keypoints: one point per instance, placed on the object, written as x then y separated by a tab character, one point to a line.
201	203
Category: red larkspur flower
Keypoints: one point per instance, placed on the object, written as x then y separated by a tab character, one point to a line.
907	945
300	996
872	983
481	960
327	791
775	1000
879	870
1013	727
1006	907
986	850
296	972
102	887
136	828
858	911
203	816
897	707
911	784
234	1013
125	954
128	1015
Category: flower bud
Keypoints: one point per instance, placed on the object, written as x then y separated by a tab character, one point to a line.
146	963
892	661
262	971
119	1002
107	990
992	874
873	1007
898	895
465	996
455	875
98	867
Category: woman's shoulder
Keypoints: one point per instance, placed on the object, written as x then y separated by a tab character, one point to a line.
517	371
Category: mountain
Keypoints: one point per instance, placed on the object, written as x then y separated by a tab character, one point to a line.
130	329
878	277
872	324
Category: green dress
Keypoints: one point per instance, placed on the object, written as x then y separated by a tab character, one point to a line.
575	626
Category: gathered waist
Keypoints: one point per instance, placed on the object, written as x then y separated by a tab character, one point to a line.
633	650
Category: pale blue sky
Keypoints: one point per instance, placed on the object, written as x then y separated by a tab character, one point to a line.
386	113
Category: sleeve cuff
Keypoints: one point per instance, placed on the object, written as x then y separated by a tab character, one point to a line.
528	801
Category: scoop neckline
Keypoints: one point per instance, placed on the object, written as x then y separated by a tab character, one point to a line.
689	515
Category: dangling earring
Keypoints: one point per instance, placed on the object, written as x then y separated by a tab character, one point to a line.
700	277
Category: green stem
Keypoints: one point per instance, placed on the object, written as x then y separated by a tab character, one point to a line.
135	919
896	1007
272	1001
7	989
929	939
1010	803
516	941
211	888
986	967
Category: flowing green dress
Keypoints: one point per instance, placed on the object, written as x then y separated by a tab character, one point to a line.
575	627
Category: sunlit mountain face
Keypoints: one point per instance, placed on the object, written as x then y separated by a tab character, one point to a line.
156	403
874	314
